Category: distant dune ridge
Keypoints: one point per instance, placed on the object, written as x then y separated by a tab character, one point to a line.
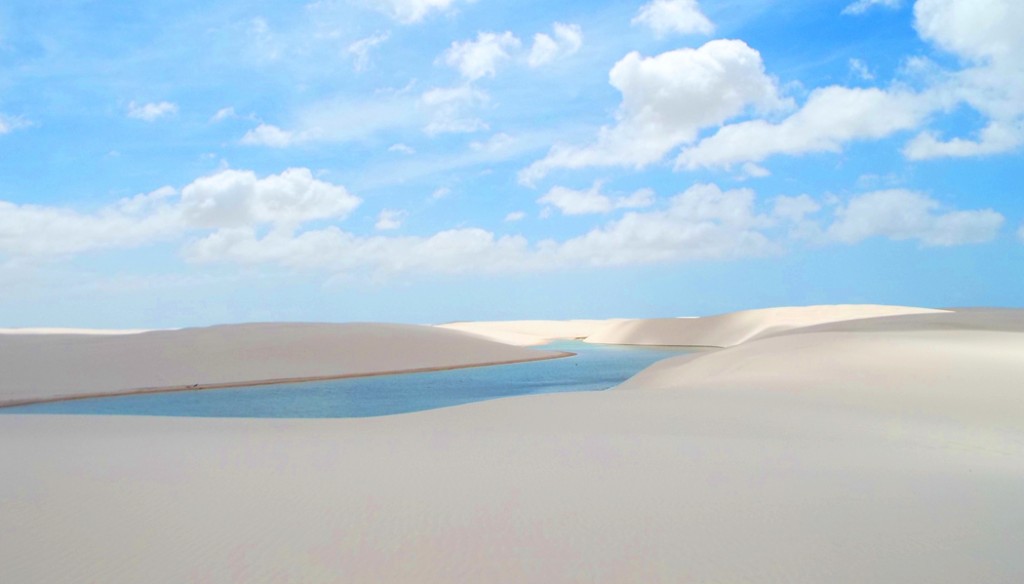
846	445
734	328
530	332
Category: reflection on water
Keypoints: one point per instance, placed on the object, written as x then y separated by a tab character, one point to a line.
595	367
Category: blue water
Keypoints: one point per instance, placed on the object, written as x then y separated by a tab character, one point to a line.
595	367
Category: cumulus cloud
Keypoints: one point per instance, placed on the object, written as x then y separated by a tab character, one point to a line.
862	6
269	135
674	16
703	222
235	216
831	117
995	138
666	100
567	41
985	35
583	202
480	58
37	230
412	11
907	215
237	198
151	111
229	199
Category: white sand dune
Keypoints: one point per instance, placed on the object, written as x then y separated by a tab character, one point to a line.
966	368
69	331
731	329
620	486
530	332
38	367
887	449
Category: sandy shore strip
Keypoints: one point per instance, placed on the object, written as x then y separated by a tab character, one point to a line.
49	367
885	449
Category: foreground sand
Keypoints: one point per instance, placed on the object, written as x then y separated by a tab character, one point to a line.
38	366
876	450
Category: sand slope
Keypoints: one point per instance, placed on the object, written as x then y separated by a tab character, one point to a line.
731	329
628	486
530	332
967	367
40	366
886	449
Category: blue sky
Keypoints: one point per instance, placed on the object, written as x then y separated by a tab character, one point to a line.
180	163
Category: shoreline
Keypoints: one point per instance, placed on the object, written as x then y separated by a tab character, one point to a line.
282	381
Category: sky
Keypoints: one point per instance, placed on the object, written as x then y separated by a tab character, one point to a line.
182	163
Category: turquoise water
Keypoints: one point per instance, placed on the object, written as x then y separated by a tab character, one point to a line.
595	367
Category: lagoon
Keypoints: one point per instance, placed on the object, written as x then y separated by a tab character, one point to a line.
593	368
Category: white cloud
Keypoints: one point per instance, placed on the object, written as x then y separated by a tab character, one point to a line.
751	170
666	100
389	220
269	135
412	11
993	139
575	202
702	223
227	199
151	111
360	50
862	6
237	217
36	230
401	148
974	29
905	215
567	41
637	200
985	34
674	16
450	108
794	209
831	117
480	58
236	198
452	251
440	193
